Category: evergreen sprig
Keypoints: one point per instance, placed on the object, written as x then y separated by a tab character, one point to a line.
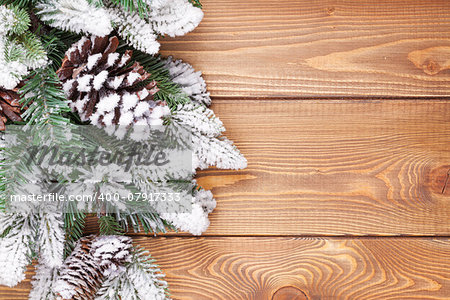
133	6
74	223
108	225
18	3
45	99
22	19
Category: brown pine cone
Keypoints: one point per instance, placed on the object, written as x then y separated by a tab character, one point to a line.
80	276
104	89
92	259
10	108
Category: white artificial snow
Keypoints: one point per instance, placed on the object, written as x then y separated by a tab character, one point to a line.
155	122
196	222
52	236
135	30
175	17
123	60
129	101
67	86
13	71
200	119
218	152
160	111
115	82
7	20
80	104
132	77
126	118
15	252
92	60
84	83
108	103
112	59
143	94
191	82
99	79
107	118
43	283
77	16
141	109
94	118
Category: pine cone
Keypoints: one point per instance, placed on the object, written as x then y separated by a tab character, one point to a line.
111	252
103	87
10	108
80	276
92	259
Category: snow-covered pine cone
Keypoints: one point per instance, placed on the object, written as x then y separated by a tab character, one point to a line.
111	252
10	108
104	89
80	276
92	259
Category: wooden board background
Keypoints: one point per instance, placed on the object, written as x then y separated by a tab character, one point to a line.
342	109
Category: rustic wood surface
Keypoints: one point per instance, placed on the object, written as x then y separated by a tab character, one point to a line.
294	268
347	195
321	48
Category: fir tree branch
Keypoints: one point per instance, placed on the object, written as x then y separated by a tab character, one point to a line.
74	223
108	225
133	6
18	3
45	99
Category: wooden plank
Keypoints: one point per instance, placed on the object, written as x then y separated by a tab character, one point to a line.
334	168
320	48
290	268
256	268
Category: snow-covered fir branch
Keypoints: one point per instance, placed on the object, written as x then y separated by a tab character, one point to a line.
43	283
142	279
174	17
198	118
16	246
80	16
20	51
194	221
219	152
51	236
190	81
135	30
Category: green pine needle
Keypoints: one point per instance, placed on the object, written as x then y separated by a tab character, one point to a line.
30	46
196	3
74	223
108	225
22	20
17	3
133	6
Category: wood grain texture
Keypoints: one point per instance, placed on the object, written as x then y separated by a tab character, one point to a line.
337	269
334	168
292	268
320	48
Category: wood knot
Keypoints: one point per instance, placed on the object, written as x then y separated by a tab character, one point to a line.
331	10
431	60
289	293
439	180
